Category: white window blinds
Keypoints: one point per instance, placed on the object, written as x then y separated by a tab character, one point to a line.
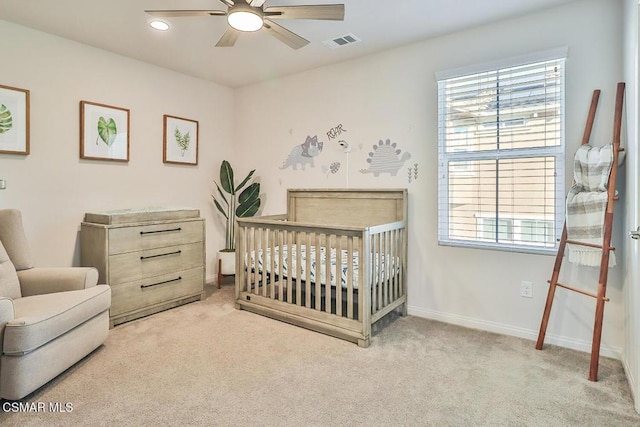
501	157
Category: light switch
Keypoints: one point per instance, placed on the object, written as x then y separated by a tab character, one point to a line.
3	184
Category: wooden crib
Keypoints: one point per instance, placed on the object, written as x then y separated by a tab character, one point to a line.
335	263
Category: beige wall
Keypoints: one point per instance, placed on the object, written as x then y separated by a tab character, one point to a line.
54	188
394	95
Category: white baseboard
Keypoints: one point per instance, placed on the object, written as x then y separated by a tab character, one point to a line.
632	381
500	328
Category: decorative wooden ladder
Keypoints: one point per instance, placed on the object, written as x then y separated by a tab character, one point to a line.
606	247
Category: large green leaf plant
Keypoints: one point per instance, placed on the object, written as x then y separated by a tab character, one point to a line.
232	203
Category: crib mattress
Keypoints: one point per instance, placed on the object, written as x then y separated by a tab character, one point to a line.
380	264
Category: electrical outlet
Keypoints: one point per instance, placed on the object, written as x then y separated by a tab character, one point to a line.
526	289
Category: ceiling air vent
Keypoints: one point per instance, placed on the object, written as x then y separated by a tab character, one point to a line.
342	41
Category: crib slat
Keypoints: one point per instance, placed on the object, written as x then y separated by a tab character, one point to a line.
250	251
372	269
378	269
272	279
381	287
403	262
290	240
318	282
394	260
256	274
258	271
264	233
339	276
307	281
391	264
298	271
281	281
256	246
350	277
328	285
247	270
242	261
380	275
385	262
365	282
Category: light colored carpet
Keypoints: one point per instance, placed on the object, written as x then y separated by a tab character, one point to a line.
209	364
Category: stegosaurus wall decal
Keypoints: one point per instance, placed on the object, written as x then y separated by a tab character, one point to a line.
385	158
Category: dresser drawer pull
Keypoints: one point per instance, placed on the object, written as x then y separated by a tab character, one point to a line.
142	233
161	283
155	256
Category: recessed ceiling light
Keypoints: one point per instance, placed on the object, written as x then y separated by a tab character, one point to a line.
159	25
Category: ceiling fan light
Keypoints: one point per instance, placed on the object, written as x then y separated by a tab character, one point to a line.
243	20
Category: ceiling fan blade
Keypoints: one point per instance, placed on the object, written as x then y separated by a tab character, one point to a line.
257	3
180	13
228	3
330	12
229	38
287	37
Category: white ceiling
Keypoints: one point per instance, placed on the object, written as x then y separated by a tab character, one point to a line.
120	26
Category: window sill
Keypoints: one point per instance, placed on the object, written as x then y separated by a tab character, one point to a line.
501	247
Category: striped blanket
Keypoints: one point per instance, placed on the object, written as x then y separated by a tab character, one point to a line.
265	263
587	204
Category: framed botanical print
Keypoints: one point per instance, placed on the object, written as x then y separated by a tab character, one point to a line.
14	120
180	141
104	132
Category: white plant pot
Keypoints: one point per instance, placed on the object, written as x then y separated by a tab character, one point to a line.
228	262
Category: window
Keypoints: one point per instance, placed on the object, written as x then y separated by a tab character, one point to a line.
501	156
487	229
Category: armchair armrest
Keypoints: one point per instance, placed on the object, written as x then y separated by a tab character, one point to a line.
6	312
44	280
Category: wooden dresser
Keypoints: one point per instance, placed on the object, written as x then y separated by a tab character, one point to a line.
153	259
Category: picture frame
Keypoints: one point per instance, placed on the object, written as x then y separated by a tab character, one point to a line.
104	132
14	120
180	140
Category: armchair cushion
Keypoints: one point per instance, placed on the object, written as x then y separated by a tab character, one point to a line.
40	319
15	241
45	280
9	284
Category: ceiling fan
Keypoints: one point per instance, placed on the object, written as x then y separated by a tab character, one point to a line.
252	15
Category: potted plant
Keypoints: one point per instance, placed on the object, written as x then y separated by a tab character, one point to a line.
232	204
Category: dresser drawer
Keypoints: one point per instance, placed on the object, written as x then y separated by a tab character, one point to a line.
140	294
130	239
154	262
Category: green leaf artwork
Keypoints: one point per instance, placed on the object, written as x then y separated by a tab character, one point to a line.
107	131
6	121
182	140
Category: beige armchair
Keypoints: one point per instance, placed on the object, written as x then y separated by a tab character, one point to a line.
50	318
